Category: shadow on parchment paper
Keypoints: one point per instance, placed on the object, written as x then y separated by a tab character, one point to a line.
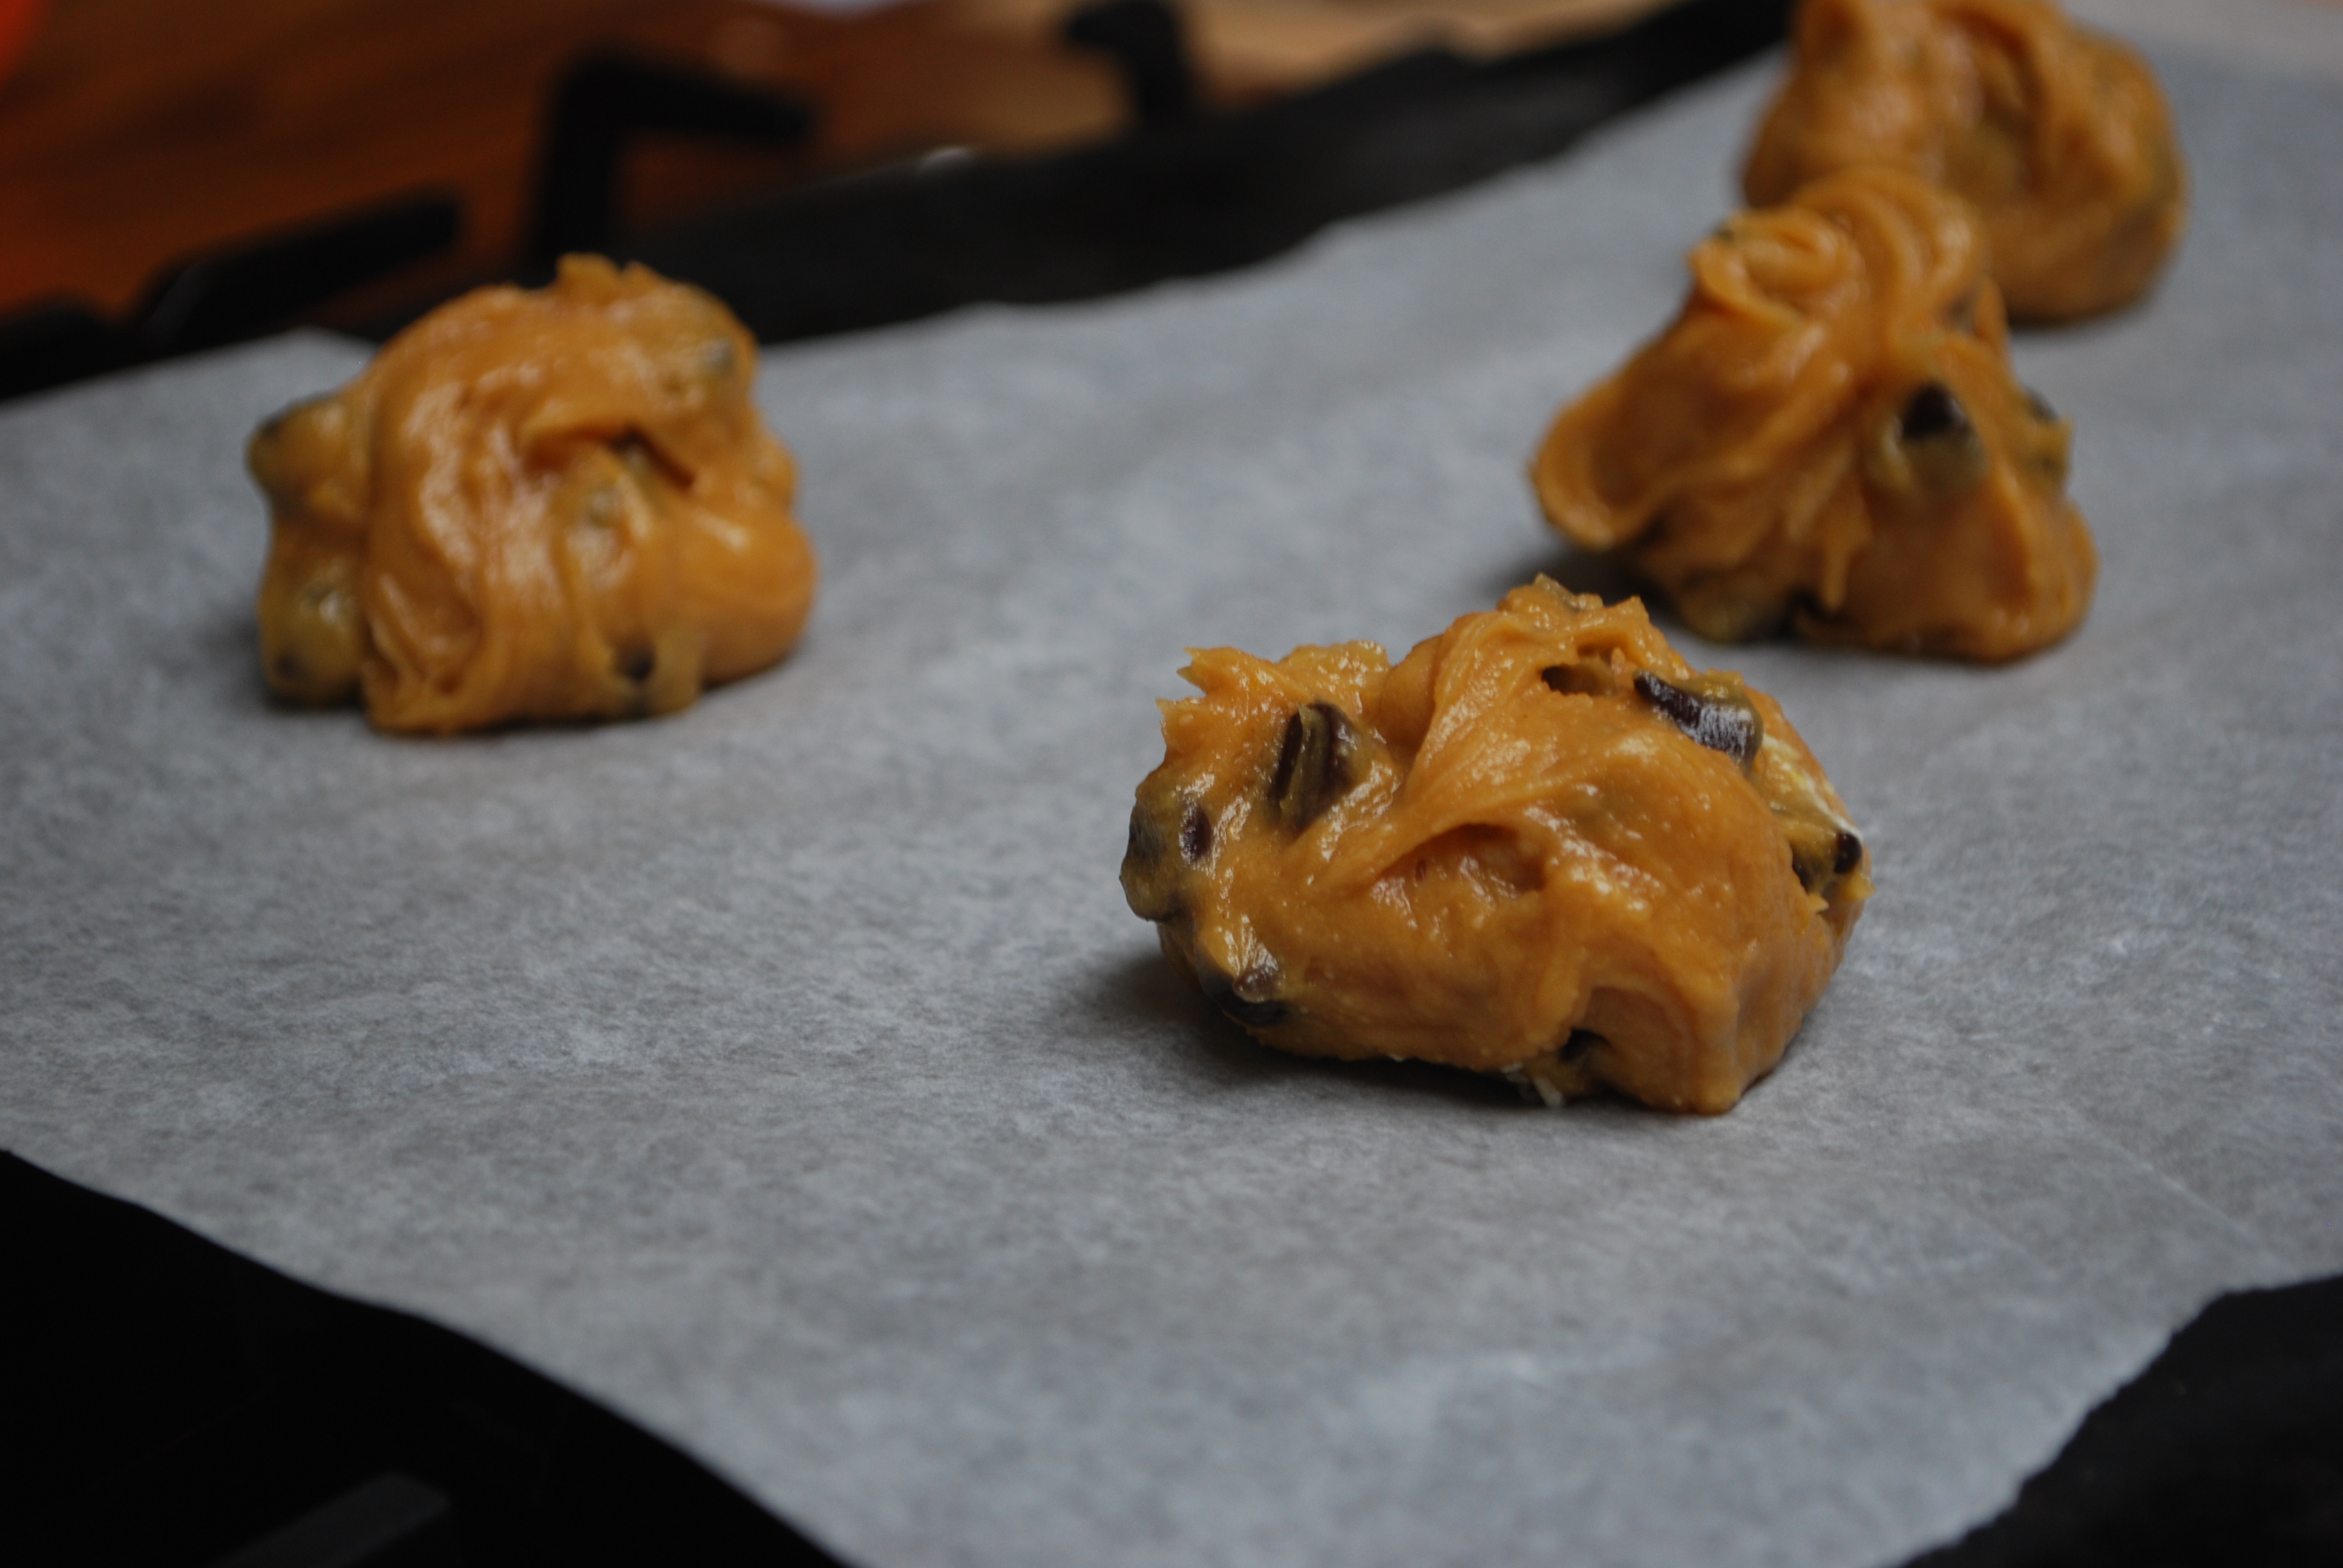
223	657
1141	993
224	652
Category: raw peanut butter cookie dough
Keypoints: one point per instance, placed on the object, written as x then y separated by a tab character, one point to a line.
2060	137
1830	439
1540	846
548	504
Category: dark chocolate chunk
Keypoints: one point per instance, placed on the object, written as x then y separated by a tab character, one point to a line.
1195	833
1718	723
1947	453
1933	413
1317	763
1847	855
1248	1000
1820	855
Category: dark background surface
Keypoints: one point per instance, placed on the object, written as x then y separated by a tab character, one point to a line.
1063	203
169	1402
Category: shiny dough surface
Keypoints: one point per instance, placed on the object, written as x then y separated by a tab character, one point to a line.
1542	846
1830	439
2060	137
546	505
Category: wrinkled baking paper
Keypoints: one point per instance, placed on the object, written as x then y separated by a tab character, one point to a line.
790	1075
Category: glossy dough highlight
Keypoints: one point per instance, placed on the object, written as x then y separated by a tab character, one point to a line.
1540	846
2059	137
1830	439
533	506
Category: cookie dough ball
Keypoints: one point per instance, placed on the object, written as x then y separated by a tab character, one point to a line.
1540	846
1830	439
2061	137
550	505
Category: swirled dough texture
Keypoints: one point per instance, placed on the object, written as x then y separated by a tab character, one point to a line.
548	504
1830	437
1540	846
2059	137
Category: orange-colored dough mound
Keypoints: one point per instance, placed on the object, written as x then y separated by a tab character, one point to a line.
548	504
1830	438
1540	846
2061	137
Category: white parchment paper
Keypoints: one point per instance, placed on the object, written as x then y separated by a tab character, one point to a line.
789	1074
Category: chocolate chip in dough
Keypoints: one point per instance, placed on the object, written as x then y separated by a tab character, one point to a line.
1248	1000
1820	855
1731	728
1940	441
1847	855
1317	764
1195	833
1933	413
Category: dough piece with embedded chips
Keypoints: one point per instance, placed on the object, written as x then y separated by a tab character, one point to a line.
1830	438
2059	137
542	505
1542	846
